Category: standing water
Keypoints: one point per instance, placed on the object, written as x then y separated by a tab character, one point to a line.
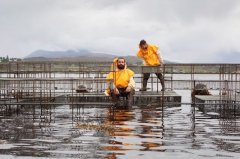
142	132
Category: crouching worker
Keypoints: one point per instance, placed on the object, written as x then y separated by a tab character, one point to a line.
123	84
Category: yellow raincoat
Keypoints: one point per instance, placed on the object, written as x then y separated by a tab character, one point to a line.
150	56
121	78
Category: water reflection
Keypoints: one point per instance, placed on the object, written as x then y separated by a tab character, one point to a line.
141	132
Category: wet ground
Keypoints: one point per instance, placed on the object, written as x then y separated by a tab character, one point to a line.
142	132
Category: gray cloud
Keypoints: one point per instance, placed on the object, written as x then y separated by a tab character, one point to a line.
186	30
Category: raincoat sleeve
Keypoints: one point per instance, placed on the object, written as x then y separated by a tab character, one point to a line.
155	48
160	56
139	54
108	78
132	83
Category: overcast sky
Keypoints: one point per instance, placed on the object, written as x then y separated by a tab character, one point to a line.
185	30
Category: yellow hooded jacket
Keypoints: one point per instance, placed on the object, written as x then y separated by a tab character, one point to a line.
150	56
121	78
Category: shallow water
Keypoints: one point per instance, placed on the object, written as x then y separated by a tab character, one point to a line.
142	132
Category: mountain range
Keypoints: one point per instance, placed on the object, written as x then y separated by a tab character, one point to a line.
77	55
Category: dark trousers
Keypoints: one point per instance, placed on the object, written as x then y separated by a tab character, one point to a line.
123	93
147	75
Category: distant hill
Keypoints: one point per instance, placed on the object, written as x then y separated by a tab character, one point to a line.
228	57
77	55
67	54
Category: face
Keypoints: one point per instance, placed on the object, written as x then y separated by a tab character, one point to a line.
144	47
121	64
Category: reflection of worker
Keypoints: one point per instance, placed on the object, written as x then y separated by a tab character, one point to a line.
122	80
150	57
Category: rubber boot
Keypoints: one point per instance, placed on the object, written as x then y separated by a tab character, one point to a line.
163	85
130	98
161	78
144	85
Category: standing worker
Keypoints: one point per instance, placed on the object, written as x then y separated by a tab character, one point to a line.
151	57
123	82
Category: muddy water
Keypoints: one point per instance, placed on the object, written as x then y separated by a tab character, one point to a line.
142	132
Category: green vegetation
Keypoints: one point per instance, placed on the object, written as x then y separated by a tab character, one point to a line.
4	59
7	59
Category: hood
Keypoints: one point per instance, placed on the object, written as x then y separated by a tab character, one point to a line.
114	65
